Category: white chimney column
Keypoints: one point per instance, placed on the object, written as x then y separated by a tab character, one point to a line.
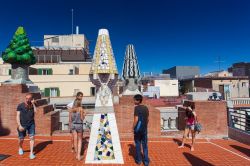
77	30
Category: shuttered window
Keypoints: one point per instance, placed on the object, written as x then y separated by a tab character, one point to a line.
46	71
52	92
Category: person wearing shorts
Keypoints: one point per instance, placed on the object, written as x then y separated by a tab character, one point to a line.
26	123
77	116
191	119
71	105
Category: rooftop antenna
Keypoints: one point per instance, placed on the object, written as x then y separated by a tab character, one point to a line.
72	21
72	25
219	61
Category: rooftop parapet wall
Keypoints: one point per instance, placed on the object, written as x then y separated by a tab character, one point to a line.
211	114
46	119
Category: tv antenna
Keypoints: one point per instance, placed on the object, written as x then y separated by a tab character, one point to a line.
219	61
72	21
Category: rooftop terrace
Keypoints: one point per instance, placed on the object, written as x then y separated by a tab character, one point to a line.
162	151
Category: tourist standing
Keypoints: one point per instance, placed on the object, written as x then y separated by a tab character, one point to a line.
77	115
26	123
140	125
71	105
191	120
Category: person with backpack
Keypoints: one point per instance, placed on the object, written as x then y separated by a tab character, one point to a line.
191	120
140	126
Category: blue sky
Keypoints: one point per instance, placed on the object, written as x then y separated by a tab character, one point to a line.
165	33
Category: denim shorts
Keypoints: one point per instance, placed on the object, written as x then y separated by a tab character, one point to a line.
78	127
30	129
190	126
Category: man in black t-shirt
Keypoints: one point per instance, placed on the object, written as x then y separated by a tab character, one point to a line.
26	123
140	125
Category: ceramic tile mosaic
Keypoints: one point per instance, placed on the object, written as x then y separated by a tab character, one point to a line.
103	59
104	147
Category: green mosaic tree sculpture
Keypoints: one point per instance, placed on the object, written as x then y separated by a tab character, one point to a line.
19	54
19	50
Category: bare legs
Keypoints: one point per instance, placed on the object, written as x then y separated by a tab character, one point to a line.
32	141
79	137
77	144
20	143
193	139
72	143
75	140
186	132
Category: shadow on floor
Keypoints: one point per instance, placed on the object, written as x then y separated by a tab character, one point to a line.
196	161
246	151
132	150
3	131
3	157
39	147
179	141
85	143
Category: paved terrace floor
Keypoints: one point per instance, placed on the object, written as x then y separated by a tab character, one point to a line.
162	152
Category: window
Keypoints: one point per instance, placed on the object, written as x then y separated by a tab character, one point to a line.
55	40
244	84
52	92
44	71
71	71
92	91
76	70
9	71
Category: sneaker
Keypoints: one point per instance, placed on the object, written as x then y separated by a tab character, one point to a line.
32	156
146	163
20	151
138	163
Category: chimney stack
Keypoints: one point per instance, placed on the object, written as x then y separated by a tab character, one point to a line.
77	30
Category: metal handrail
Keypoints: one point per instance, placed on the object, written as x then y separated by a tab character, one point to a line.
236	122
240	120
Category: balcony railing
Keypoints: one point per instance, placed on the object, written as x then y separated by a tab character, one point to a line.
240	101
240	119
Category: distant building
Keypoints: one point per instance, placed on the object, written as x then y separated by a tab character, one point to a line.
60	54
229	87
159	85
221	73
240	69
152	92
60	70
183	72
67	41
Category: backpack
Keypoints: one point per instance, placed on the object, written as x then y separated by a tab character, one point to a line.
140	126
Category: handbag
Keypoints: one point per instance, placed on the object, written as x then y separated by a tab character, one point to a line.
198	127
